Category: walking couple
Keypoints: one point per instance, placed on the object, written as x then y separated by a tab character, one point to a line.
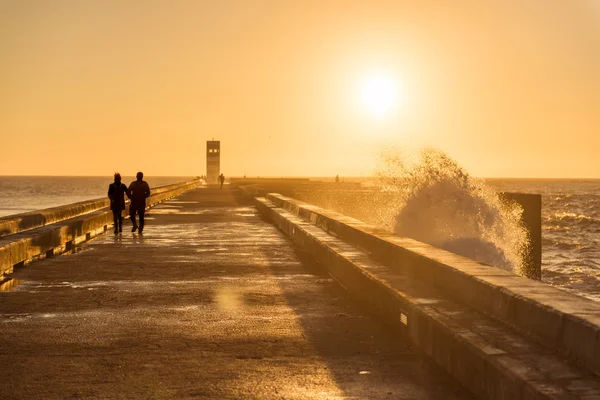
137	192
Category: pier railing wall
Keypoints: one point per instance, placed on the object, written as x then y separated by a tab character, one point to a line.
12	224
561	321
44	233
350	198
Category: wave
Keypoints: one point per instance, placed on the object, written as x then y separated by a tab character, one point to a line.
567	246
571	218
438	202
574	266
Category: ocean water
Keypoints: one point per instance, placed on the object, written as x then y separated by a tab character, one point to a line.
570	230
465	219
19	194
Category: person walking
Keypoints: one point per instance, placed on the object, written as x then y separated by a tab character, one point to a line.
222	179
138	193
116	194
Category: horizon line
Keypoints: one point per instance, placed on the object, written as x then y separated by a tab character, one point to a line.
292	176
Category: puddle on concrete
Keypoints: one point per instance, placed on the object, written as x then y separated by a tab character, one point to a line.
213	249
9	284
175	211
77	249
16	317
186	308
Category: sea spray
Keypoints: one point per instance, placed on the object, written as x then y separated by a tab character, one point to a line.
436	201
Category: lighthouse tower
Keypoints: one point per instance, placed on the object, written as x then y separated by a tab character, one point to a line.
213	161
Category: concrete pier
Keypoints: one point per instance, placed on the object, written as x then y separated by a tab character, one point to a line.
501	335
211	302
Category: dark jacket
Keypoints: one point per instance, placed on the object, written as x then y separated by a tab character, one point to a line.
116	194
138	192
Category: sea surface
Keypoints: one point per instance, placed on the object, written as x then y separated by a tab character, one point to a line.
570	230
570	217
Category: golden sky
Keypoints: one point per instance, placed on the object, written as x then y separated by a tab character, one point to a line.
509	88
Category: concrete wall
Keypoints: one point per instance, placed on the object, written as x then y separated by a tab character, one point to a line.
532	221
486	356
52	239
351	199
560	321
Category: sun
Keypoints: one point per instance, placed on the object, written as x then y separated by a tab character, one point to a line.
379	93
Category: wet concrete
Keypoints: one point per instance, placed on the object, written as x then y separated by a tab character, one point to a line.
211	302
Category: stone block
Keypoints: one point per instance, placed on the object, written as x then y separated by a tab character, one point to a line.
581	339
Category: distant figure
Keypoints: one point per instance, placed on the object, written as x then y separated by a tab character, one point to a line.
138	192
222	179
337	179
116	194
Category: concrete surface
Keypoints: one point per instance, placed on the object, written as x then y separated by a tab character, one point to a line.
564	322
487	356
210	302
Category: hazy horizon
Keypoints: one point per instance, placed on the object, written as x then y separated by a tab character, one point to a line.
299	88
109	177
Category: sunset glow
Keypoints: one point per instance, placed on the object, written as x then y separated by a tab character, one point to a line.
507	90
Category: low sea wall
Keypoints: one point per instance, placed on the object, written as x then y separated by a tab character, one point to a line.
65	226
13	224
350	198
562	323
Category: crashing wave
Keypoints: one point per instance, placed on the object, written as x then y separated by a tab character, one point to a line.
436	201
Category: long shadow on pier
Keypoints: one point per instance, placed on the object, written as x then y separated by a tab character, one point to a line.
361	352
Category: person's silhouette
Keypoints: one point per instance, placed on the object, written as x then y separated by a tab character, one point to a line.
116	194
222	179
138	192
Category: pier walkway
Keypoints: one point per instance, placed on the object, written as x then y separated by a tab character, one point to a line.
210	302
